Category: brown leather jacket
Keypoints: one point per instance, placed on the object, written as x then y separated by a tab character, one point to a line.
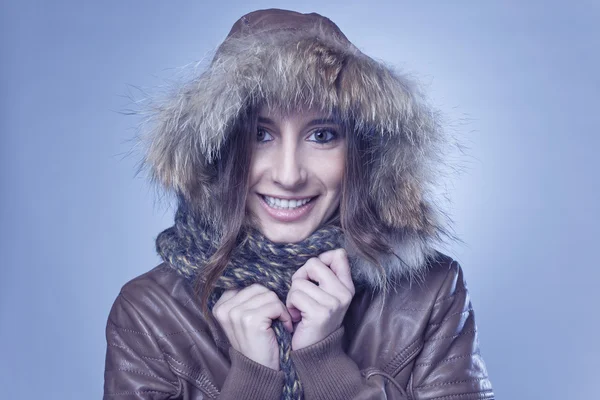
418	342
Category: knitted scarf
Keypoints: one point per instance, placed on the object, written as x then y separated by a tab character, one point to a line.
188	244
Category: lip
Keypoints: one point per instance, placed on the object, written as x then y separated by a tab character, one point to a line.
288	197
288	215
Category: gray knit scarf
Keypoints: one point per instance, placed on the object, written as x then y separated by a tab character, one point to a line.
188	244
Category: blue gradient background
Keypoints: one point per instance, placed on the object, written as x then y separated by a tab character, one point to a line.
520	81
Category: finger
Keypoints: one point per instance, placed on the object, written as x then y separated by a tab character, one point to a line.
220	310
317	271
233	298
306	305
295	314
317	293
337	260
244	295
226	295
278	311
240	309
260	300
222	315
260	312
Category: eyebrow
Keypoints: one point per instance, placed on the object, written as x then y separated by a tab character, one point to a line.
317	121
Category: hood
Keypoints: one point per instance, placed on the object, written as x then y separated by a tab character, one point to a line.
286	59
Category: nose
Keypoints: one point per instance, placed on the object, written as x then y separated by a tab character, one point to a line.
289	170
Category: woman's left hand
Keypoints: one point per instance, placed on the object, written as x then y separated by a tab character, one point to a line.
320	310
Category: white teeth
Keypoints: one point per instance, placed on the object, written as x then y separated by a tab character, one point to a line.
285	204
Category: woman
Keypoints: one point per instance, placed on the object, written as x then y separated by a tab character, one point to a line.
301	262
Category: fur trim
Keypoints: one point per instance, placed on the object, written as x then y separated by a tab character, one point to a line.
294	68
409	261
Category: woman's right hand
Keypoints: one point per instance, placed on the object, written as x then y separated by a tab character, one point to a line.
246	316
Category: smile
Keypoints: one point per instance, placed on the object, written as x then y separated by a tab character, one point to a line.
287	210
286	204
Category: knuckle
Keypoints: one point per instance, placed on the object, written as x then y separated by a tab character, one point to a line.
341	252
282	309
256	286
300	283
248	319
272	296
344	303
235	314
347	296
218	314
336	303
312	262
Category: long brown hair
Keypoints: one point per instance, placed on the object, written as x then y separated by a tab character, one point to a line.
232	173
357	217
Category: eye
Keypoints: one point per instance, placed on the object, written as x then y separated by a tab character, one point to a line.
323	136
263	136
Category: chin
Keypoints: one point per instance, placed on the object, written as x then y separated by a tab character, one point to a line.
286	233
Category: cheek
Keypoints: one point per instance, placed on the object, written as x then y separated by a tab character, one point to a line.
257	168
332	169
339	164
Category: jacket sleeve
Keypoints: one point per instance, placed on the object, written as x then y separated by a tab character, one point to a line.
248	379
450	365
328	373
136	367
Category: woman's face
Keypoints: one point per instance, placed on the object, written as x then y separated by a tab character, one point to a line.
295	174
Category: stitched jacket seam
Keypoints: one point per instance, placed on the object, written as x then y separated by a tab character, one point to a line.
469	310
482	395
115	326
447	360
201	381
402	358
433	339
134	353
167	335
133	371
135	392
453	382
151	334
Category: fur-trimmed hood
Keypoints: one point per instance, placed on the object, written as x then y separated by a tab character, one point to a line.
286	60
